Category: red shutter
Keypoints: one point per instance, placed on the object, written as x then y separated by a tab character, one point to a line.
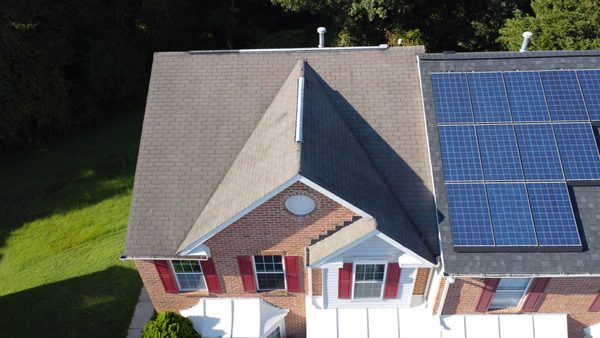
595	306
392	280
292	278
166	277
247	273
534	294
489	290
345	281
210	275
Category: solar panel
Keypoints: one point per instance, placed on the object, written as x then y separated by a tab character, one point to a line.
590	86
526	96
539	153
563	96
488	96
460	155
553	214
499	153
578	151
451	96
469	214
511	215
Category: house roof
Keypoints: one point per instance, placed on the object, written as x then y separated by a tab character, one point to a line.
204	109
586	199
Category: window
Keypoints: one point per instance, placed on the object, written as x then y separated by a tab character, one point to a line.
269	272
189	275
368	280
509	293
274	334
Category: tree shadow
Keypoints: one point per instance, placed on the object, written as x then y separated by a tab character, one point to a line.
81	171
100	304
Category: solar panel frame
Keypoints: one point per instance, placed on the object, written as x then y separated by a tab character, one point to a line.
553	214
589	80
451	98
499	153
470	215
526	95
511	214
539	152
460	153
578	150
564	96
488	97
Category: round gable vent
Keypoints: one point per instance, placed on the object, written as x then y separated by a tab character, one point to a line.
300	205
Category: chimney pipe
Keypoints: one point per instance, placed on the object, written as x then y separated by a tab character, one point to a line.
321	31
526	37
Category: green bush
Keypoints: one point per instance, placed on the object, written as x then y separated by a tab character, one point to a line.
169	325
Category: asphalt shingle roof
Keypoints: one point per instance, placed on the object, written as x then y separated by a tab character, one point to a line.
203	108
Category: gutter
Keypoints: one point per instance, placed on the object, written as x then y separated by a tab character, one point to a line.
549	275
124	258
276	50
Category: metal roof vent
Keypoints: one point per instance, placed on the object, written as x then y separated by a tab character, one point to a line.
321	31
526	37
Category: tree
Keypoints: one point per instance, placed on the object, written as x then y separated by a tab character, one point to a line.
169	324
556	25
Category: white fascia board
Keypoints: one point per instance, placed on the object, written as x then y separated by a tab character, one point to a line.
239	215
328	259
424	262
334	197
200	250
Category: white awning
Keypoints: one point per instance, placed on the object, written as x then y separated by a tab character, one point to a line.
505	326
226	317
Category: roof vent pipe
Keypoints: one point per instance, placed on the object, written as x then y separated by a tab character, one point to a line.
321	31
526	37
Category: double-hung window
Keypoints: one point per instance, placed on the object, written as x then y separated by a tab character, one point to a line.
368	280
270	274
509	293
188	274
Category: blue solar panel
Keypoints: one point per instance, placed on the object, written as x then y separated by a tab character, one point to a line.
469	214
578	151
459	153
590	85
553	214
526	96
563	96
499	153
511	215
539	153
451	96
488	96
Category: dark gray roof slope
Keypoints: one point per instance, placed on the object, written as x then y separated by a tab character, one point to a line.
587	199
202	109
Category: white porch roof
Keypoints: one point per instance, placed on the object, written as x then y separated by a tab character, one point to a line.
419	322
239	317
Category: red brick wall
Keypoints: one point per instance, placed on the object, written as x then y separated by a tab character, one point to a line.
421	281
571	295
269	229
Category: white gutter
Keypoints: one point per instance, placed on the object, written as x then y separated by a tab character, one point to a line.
123	258
300	111
549	275
275	50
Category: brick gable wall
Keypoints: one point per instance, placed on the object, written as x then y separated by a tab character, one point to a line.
571	295
268	230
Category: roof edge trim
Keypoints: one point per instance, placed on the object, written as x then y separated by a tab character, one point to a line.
406	250
239	215
277	50
325	259
334	197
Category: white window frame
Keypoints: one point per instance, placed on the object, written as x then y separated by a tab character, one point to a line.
369	262
256	274
519	303
177	278
281	334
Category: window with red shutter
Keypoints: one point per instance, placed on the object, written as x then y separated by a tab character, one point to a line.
489	289
210	275
292	278
391	281
345	281
246	273
166	277
534	294
595	306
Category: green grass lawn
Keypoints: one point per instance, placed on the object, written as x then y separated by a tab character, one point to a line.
63	217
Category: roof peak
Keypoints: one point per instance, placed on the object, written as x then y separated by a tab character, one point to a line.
286	50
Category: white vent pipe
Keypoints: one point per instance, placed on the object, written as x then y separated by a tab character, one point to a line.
321	31
526	37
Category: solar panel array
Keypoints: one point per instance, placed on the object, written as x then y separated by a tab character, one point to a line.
511	142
